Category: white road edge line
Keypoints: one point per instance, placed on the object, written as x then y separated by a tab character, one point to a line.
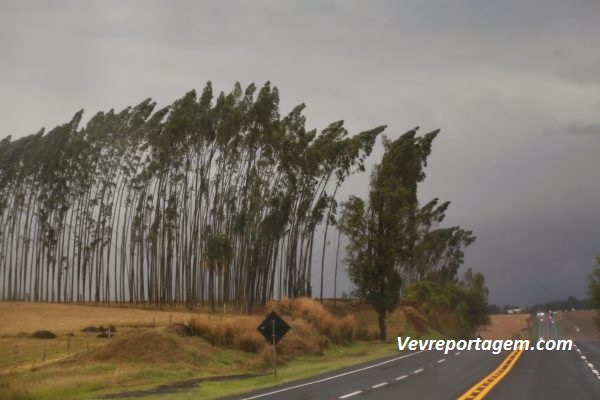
379	385
417	371
441	361
457	353
401	377
350	394
334	377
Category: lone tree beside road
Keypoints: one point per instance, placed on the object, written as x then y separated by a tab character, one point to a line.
391	237
381	233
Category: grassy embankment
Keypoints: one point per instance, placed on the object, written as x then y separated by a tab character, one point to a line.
148	351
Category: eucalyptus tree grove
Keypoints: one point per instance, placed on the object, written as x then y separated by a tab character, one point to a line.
206	198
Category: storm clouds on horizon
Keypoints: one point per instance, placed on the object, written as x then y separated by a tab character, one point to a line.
514	87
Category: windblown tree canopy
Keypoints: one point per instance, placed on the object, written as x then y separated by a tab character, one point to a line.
147	205
392	239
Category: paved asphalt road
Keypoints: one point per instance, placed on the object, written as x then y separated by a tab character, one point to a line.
424	375
548	375
432	375
553	374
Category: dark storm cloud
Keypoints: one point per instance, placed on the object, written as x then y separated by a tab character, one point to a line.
495	76
579	128
536	259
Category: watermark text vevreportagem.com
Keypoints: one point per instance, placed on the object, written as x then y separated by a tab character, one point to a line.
495	346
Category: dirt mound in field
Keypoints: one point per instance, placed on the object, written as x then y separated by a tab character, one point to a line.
182	330
43	335
141	347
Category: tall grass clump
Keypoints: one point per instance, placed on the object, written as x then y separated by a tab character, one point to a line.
239	335
335	329
312	329
302	340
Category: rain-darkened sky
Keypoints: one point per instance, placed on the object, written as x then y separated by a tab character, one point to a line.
513	85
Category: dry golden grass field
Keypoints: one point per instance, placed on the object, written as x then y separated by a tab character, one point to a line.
22	317
579	325
152	347
19	320
505	326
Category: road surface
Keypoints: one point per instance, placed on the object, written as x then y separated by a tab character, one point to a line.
426	375
433	375
553	374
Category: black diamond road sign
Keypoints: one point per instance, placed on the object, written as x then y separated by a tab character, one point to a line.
273	326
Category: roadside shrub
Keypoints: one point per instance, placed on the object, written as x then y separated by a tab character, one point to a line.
312	329
182	330
283	306
315	313
362	333
344	330
446	322
295	345
416	321
301	340
251	342
223	334
335	329
100	329
239	335
43	335
199	327
265	357
146	346
466	300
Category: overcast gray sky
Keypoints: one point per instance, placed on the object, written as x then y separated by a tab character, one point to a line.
513	85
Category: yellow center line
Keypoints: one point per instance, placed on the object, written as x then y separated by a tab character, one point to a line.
481	388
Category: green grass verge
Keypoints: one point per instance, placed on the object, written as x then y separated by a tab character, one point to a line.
65	382
334	358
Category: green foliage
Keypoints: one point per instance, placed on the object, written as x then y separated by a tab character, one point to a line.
218	248
594	289
594	285
466	300
124	207
392	237
570	303
377	280
494	309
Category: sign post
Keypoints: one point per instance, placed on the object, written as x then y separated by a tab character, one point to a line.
278	329
274	351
